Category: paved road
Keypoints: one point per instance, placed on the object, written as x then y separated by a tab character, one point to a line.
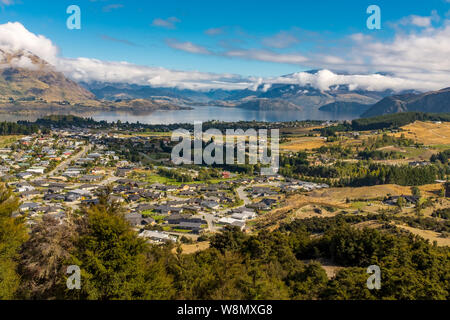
64	164
146	156
210	220
108	180
243	195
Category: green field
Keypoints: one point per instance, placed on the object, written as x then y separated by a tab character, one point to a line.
6	141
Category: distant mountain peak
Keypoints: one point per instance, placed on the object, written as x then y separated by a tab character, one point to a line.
432	102
22	59
25	77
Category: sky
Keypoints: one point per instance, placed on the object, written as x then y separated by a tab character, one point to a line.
202	44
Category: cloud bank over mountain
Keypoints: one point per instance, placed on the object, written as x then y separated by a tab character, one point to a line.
417	60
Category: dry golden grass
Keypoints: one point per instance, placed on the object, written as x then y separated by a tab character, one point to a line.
5	141
341	194
303	143
293	209
194	247
428	133
368	225
428	235
431	188
304	206
331	269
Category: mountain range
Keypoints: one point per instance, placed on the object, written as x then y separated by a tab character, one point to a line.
28	82
26	77
432	102
338	99
278	96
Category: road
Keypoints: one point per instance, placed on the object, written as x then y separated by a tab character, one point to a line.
209	218
146	156
108	180
63	165
243	195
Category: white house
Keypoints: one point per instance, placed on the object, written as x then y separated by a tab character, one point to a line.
243	216
232	222
36	170
157	236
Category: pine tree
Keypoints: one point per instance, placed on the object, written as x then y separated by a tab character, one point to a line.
114	260
12	236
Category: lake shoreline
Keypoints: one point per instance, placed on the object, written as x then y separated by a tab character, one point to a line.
186	114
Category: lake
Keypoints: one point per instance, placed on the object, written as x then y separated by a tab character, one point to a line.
200	113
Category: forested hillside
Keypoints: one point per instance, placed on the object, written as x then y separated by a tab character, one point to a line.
283	264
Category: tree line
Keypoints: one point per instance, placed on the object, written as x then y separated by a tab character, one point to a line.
361	173
13	128
384	122
116	263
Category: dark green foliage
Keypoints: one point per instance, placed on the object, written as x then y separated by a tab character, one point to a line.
396	120
61	121
373	143
298	165
388	121
362	173
283	264
12	236
443	214
229	239
410	266
114	260
175	174
443	157
379	155
368	174
349	284
44	259
11	128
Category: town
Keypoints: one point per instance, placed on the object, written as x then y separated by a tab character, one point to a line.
71	182
58	173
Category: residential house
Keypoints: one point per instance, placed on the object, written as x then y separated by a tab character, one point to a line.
157	236
210	204
136	220
28	206
232	222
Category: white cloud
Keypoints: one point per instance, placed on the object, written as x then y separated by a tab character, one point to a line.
283	39
169	23
187	46
85	69
23	62
324	79
215	31
266	55
111	7
14	36
124	41
414	61
419	21
421	56
7	2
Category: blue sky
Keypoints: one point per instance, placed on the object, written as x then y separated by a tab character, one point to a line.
258	38
243	23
